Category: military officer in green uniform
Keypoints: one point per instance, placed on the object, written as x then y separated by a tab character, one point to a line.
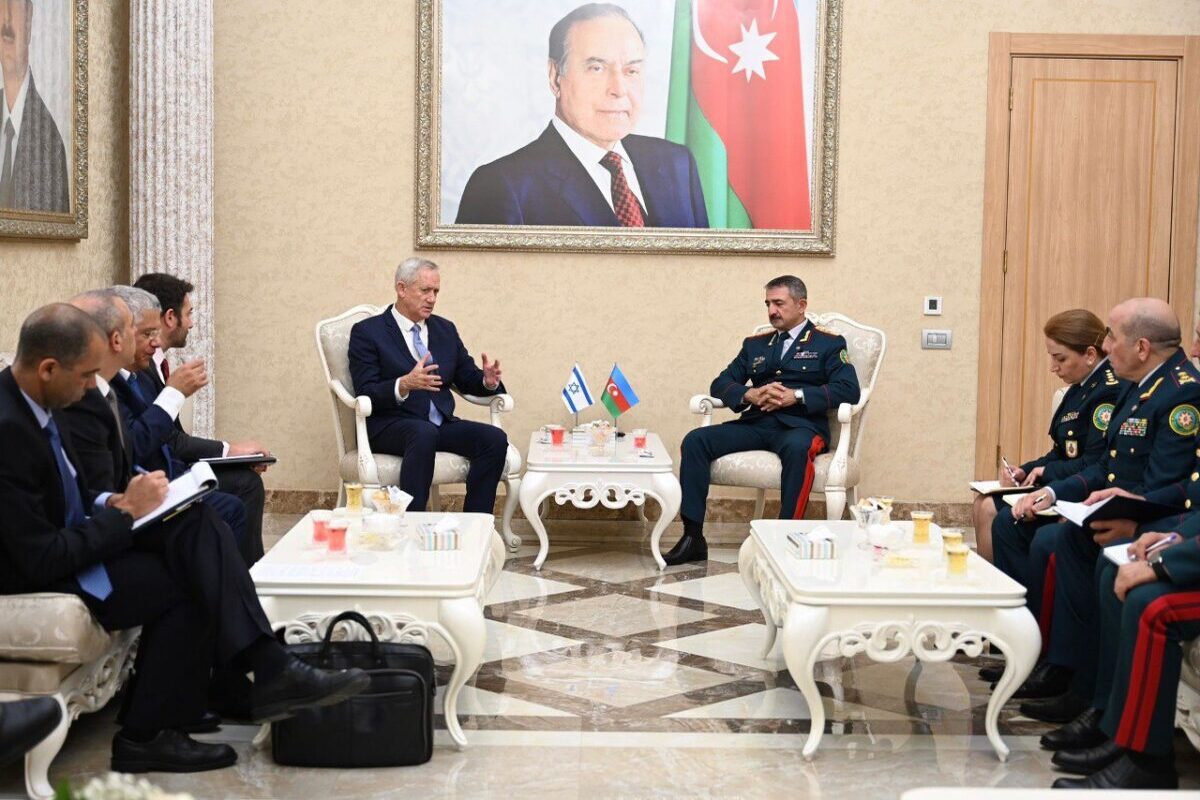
1148	607
796	374
1151	441
1074	341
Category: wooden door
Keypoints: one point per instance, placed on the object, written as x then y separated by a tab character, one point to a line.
1091	176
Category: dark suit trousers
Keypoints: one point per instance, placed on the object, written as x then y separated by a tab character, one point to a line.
185	583
232	512
417	441
1074	639
796	448
1022	550
246	485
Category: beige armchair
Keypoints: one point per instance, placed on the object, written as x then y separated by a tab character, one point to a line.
837	471
356	462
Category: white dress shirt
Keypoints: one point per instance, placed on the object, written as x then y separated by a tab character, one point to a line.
17	113
589	156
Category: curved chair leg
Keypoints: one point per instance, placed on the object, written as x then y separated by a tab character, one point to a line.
512	486
760	503
38	760
435	499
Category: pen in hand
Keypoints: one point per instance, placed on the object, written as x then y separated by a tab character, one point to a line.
1008	470
1166	541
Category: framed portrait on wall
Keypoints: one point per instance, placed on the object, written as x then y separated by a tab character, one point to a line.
43	118
647	126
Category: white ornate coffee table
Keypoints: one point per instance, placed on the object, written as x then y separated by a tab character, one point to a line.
854	604
406	593
572	475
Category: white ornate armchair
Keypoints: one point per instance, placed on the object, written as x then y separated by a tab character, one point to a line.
837	471
357	462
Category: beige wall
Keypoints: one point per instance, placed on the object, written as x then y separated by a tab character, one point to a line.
315	176
34	273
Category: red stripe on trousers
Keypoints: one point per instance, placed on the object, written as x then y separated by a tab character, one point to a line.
814	450
1046	614
1134	727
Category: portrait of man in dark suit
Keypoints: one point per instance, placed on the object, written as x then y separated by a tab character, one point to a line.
587	167
33	160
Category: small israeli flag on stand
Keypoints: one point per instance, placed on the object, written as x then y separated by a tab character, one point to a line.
576	395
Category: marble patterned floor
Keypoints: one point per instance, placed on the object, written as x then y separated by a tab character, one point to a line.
605	678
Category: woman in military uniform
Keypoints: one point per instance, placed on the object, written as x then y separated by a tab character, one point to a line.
1073	340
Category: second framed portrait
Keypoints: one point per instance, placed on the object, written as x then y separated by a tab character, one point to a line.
655	126
43	118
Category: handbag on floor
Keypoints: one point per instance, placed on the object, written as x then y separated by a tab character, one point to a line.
388	725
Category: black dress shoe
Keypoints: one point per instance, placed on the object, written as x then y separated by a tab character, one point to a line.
1046	680
1059	710
1123	774
694	548
209	722
1078	734
169	751
301	686
1089	760
679	545
991	674
24	723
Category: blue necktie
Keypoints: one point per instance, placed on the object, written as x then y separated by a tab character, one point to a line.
435	416
94	579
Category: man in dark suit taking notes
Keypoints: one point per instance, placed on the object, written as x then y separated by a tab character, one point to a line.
405	360
587	167
181	580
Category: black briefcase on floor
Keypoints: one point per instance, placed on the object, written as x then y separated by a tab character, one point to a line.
388	725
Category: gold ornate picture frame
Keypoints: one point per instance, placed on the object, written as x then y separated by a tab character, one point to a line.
486	85
45	195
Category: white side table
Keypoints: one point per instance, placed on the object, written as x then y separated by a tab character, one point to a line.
572	475
852	604
407	593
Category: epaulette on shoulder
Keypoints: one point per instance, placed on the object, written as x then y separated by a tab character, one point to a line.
826	331
760	335
1185	373
1110	377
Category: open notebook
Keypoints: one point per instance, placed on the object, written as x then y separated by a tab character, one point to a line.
193	485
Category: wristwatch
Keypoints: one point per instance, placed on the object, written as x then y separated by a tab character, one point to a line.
799	395
1160	570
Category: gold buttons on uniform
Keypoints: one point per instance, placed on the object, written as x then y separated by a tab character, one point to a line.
1113	453
1111	477
1132	451
1070	433
1195	477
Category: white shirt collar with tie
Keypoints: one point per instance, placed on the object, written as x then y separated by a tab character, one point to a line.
16	115
589	156
406	325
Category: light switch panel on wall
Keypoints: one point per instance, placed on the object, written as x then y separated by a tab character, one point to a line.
932	339
933	306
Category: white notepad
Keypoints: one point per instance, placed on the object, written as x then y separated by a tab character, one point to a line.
189	487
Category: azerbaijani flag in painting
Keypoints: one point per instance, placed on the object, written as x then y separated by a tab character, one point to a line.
737	102
618	395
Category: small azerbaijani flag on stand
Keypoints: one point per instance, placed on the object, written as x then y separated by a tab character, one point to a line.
618	396
576	395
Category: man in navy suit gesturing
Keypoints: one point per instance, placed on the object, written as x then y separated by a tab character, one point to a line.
405	360
587	168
